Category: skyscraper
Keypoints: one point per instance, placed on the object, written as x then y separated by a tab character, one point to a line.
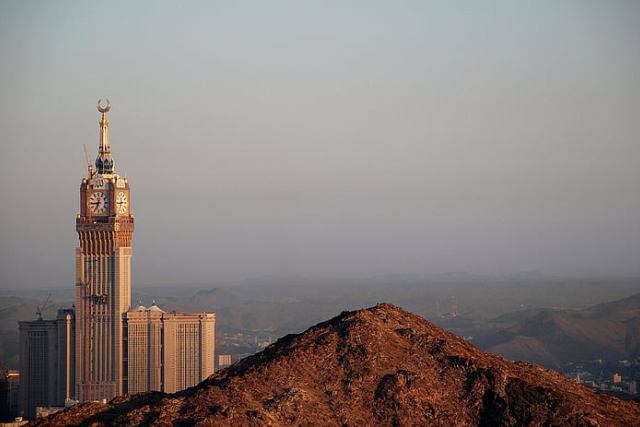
103	274
46	362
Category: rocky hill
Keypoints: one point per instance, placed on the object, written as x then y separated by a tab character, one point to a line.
377	366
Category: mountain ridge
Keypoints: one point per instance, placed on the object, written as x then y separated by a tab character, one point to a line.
553	338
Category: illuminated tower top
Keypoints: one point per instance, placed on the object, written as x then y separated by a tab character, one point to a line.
104	161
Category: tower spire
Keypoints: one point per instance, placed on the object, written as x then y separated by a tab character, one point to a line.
104	161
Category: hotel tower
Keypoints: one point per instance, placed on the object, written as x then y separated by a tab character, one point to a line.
103	274
104	348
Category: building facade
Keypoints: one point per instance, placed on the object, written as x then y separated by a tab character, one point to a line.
46	362
143	332
168	351
103	274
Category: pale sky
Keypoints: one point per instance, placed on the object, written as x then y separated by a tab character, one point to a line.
328	138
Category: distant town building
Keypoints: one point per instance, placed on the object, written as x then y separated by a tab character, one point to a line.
263	343
46	362
45	411
167	351
617	378
224	360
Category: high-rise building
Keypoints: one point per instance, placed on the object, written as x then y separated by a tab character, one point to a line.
143	334
188	351
46	362
103	274
104	349
168	351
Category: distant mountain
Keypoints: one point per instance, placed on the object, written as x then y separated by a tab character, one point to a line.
609	331
376	366
274	306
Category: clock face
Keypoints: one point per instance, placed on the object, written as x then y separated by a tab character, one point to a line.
121	202
98	203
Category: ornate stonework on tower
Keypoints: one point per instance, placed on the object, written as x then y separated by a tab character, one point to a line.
103	274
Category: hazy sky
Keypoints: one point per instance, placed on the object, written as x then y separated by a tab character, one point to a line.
326	138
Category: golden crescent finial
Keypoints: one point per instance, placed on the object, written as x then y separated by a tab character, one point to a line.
104	109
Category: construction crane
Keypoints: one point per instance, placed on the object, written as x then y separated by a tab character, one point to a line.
86	158
42	307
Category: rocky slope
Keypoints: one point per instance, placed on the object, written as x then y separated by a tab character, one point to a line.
378	366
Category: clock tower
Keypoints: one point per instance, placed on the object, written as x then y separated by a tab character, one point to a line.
103	274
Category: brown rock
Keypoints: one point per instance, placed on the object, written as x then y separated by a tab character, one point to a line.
377	366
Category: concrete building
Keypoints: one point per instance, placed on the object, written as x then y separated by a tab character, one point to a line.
103	274
168	351
46	362
224	360
188	352
143	334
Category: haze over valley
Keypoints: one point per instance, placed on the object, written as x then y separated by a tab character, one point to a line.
515	316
